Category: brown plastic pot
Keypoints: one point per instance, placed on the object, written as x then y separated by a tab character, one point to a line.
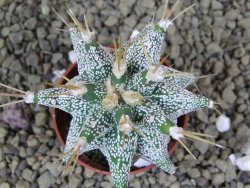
61	122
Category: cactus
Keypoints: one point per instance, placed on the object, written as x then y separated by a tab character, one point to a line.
124	101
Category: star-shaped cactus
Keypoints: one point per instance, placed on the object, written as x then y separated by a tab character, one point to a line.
124	101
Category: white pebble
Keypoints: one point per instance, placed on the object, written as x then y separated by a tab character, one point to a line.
223	123
29	97
72	56
176	132
243	163
165	24
57	74
232	158
247	150
134	34
141	163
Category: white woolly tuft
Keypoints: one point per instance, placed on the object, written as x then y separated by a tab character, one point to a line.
165	24
87	36
223	123
82	142
134	33
79	92
119	69
29	97
110	88
211	104
141	163
132	97
110	101
176	132
155	75
125	125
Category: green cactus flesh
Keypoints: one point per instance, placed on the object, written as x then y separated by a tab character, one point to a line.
123	102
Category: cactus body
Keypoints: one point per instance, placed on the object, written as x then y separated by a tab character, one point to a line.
124	112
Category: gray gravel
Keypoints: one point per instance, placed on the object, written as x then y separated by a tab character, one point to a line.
215	36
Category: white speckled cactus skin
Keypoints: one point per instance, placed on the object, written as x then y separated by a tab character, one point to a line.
123	102
163	102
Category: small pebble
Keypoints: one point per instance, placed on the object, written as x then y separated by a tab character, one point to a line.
27	174
22	184
32	141
46	180
40	118
4	185
111	21
106	184
1	43
30	23
218	179
88	173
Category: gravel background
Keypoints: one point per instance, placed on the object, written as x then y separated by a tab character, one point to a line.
215	35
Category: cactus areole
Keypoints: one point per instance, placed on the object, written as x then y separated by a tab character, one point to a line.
124	102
